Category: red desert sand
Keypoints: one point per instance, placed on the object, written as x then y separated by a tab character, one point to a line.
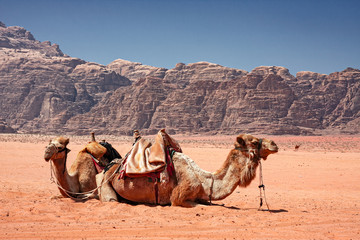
312	191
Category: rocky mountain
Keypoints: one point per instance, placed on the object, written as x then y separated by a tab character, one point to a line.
41	88
44	91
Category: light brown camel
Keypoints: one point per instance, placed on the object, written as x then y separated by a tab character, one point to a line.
190	184
81	177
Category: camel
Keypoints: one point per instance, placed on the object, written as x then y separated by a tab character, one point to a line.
190	184
81	177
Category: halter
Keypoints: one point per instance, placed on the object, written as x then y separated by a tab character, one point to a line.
59	151
260	144
248	150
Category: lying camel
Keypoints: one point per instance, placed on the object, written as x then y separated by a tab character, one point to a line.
80	178
190	184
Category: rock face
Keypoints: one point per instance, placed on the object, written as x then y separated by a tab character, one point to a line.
19	38
41	89
45	91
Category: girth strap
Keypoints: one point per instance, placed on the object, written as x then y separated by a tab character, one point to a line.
156	188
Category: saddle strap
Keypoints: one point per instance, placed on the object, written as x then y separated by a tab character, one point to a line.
156	188
96	163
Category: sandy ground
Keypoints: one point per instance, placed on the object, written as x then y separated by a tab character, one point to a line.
313	193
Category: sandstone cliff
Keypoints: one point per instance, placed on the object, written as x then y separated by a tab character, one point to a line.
41	89
44	91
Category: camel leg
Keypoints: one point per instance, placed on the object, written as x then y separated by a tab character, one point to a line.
85	185
106	191
185	193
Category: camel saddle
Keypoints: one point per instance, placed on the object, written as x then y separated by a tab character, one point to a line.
96	151
146	158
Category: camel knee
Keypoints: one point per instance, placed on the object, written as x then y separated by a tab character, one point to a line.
99	178
106	191
177	199
183	195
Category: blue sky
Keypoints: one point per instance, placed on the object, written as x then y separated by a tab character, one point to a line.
316	35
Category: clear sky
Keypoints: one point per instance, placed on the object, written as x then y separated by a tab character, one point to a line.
307	35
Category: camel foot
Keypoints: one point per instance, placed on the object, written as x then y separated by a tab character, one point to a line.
56	197
186	204
204	202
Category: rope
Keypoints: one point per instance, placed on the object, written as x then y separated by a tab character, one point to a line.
67	192
262	186
211	188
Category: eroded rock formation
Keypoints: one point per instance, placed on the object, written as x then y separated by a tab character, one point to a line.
45	91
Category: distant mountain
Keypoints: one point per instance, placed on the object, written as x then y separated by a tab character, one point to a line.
44	91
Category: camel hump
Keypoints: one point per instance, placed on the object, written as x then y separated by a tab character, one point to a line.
95	149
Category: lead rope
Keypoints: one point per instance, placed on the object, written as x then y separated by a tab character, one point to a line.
87	194
262	186
211	189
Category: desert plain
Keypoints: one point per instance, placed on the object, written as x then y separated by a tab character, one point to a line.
313	193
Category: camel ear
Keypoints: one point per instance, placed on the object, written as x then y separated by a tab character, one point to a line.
240	143
67	140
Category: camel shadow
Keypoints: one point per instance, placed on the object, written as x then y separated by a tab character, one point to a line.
274	211
76	200
122	200
237	208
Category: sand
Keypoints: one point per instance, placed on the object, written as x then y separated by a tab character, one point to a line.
313	193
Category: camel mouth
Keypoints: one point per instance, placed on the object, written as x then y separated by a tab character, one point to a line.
48	155
275	150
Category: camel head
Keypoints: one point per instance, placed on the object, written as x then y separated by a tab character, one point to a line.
257	148
267	147
56	146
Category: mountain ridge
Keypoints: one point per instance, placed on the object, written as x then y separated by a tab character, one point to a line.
46	91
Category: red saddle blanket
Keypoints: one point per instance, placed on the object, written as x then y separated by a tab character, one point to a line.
146	158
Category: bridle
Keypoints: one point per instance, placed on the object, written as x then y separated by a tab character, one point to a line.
250	149
59	151
260	144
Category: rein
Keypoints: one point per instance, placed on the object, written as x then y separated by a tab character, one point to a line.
261	183
261	186
211	188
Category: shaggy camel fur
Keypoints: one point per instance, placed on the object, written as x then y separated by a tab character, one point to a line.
81	177
190	184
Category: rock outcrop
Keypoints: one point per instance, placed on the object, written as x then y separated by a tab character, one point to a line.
45	91
19	38
41	89
5	128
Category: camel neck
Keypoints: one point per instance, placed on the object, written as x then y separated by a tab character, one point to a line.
237	170
62	176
